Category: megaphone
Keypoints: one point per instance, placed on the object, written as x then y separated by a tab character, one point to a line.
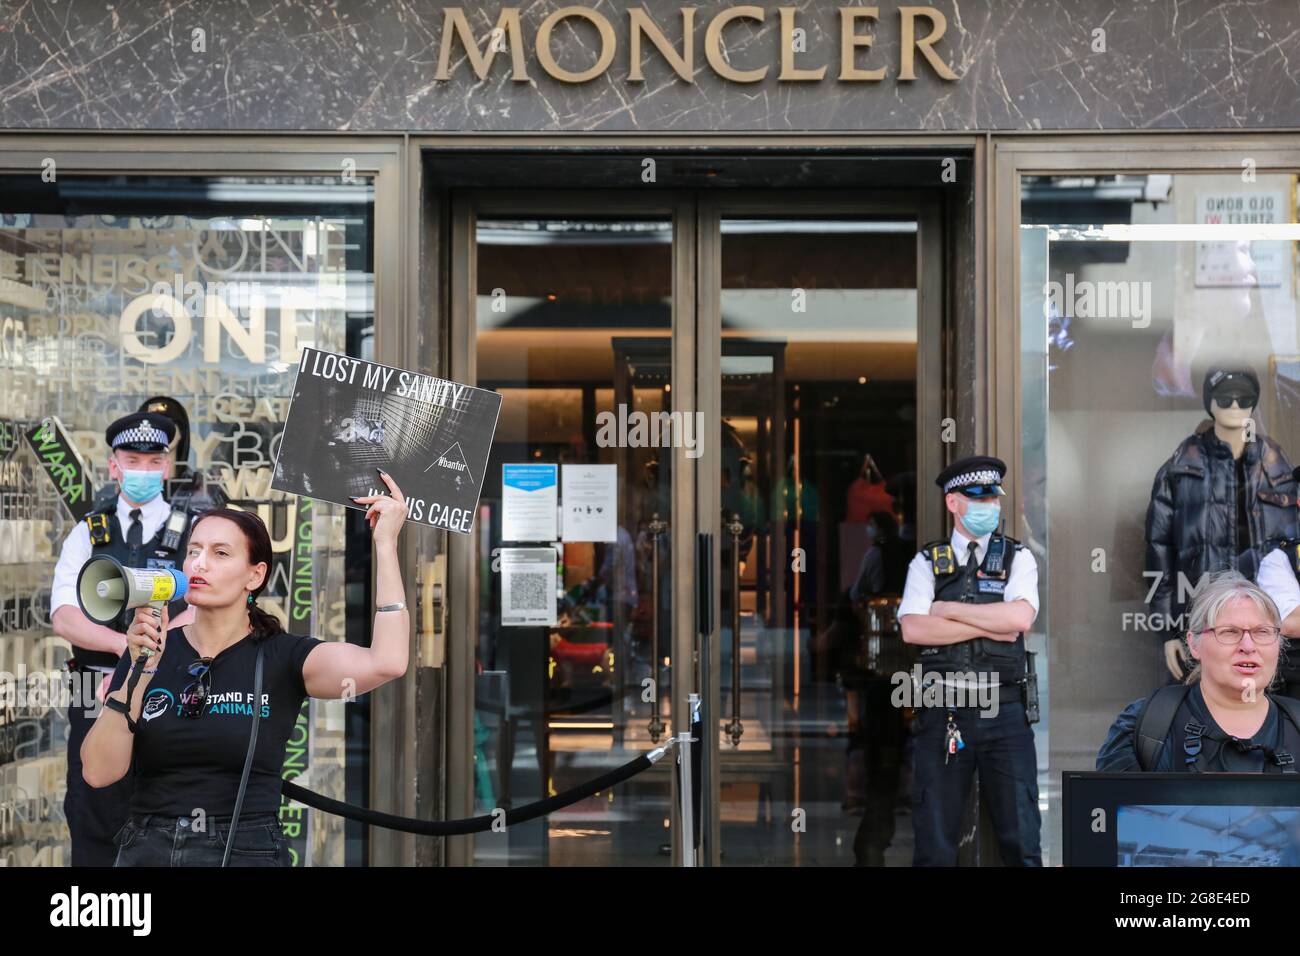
105	588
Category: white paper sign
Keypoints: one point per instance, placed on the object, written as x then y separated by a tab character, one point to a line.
589	497
1246	264
528	499
528	583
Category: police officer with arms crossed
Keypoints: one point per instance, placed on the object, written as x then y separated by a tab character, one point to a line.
1279	576
967	604
140	530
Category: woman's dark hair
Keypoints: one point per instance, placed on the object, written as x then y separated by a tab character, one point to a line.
259	550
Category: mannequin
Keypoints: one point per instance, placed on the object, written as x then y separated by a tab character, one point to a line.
1223	500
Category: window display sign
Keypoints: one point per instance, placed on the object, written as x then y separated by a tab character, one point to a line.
528	502
350	417
1240	264
590	496
528	585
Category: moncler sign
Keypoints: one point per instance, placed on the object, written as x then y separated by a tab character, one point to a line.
843	53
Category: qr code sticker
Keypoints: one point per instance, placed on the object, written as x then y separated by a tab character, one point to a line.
528	591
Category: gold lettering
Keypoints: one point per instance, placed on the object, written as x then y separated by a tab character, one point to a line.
683	65
608	44
131	343
251	341
454	24
850	40
908	44
788	70
713	45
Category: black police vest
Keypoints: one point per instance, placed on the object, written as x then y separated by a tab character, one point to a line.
1195	751
953	583
108	538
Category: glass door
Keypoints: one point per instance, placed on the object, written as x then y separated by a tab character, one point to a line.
580	313
746	374
817	322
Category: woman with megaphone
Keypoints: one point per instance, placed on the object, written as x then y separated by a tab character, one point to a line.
203	713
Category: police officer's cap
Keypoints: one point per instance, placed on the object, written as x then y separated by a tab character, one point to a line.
977	476
141	431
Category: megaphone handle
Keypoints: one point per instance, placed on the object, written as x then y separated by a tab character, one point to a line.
156	608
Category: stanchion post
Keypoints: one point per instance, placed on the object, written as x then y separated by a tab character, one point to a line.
687	788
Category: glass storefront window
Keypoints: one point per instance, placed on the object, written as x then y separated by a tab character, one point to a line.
1134	291
114	290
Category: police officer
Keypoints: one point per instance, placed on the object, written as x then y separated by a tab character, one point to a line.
1279	576
186	488
967	603
140	530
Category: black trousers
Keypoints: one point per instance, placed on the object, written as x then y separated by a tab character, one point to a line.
94	815
1002	748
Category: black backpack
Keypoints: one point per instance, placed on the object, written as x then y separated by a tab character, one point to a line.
1157	716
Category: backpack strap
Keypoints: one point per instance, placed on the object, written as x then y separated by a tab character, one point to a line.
1290	706
1154	720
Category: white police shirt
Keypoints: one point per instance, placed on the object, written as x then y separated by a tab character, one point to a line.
918	592
1279	582
77	548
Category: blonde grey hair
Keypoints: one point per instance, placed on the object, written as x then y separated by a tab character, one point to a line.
1215	592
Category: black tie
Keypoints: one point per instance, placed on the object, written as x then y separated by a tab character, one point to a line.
135	534
972	565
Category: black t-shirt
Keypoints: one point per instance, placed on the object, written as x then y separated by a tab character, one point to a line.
181	764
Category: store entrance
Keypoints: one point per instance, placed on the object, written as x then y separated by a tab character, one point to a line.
690	375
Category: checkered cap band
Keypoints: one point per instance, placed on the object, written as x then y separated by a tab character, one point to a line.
143	432
985	476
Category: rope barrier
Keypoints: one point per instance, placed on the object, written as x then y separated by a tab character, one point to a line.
478	824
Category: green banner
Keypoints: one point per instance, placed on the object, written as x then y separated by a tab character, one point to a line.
62	465
295	818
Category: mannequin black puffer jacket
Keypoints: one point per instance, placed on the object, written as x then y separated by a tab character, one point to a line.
1192	519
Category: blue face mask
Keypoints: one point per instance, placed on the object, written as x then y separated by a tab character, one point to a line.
141	486
982	517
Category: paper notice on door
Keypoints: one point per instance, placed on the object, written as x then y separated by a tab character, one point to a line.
589	497
528	500
528	583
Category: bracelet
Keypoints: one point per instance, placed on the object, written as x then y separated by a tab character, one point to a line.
149	670
399	606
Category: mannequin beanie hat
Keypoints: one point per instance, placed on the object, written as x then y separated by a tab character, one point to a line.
1218	376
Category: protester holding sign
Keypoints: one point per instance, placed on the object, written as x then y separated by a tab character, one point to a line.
186	728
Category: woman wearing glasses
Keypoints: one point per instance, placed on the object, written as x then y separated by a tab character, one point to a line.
1220	719
185	731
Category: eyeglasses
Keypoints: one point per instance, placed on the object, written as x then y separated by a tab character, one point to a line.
1229	635
196	692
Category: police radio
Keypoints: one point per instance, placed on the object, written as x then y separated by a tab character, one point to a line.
105	588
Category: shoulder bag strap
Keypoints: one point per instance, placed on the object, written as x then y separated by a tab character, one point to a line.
248	760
